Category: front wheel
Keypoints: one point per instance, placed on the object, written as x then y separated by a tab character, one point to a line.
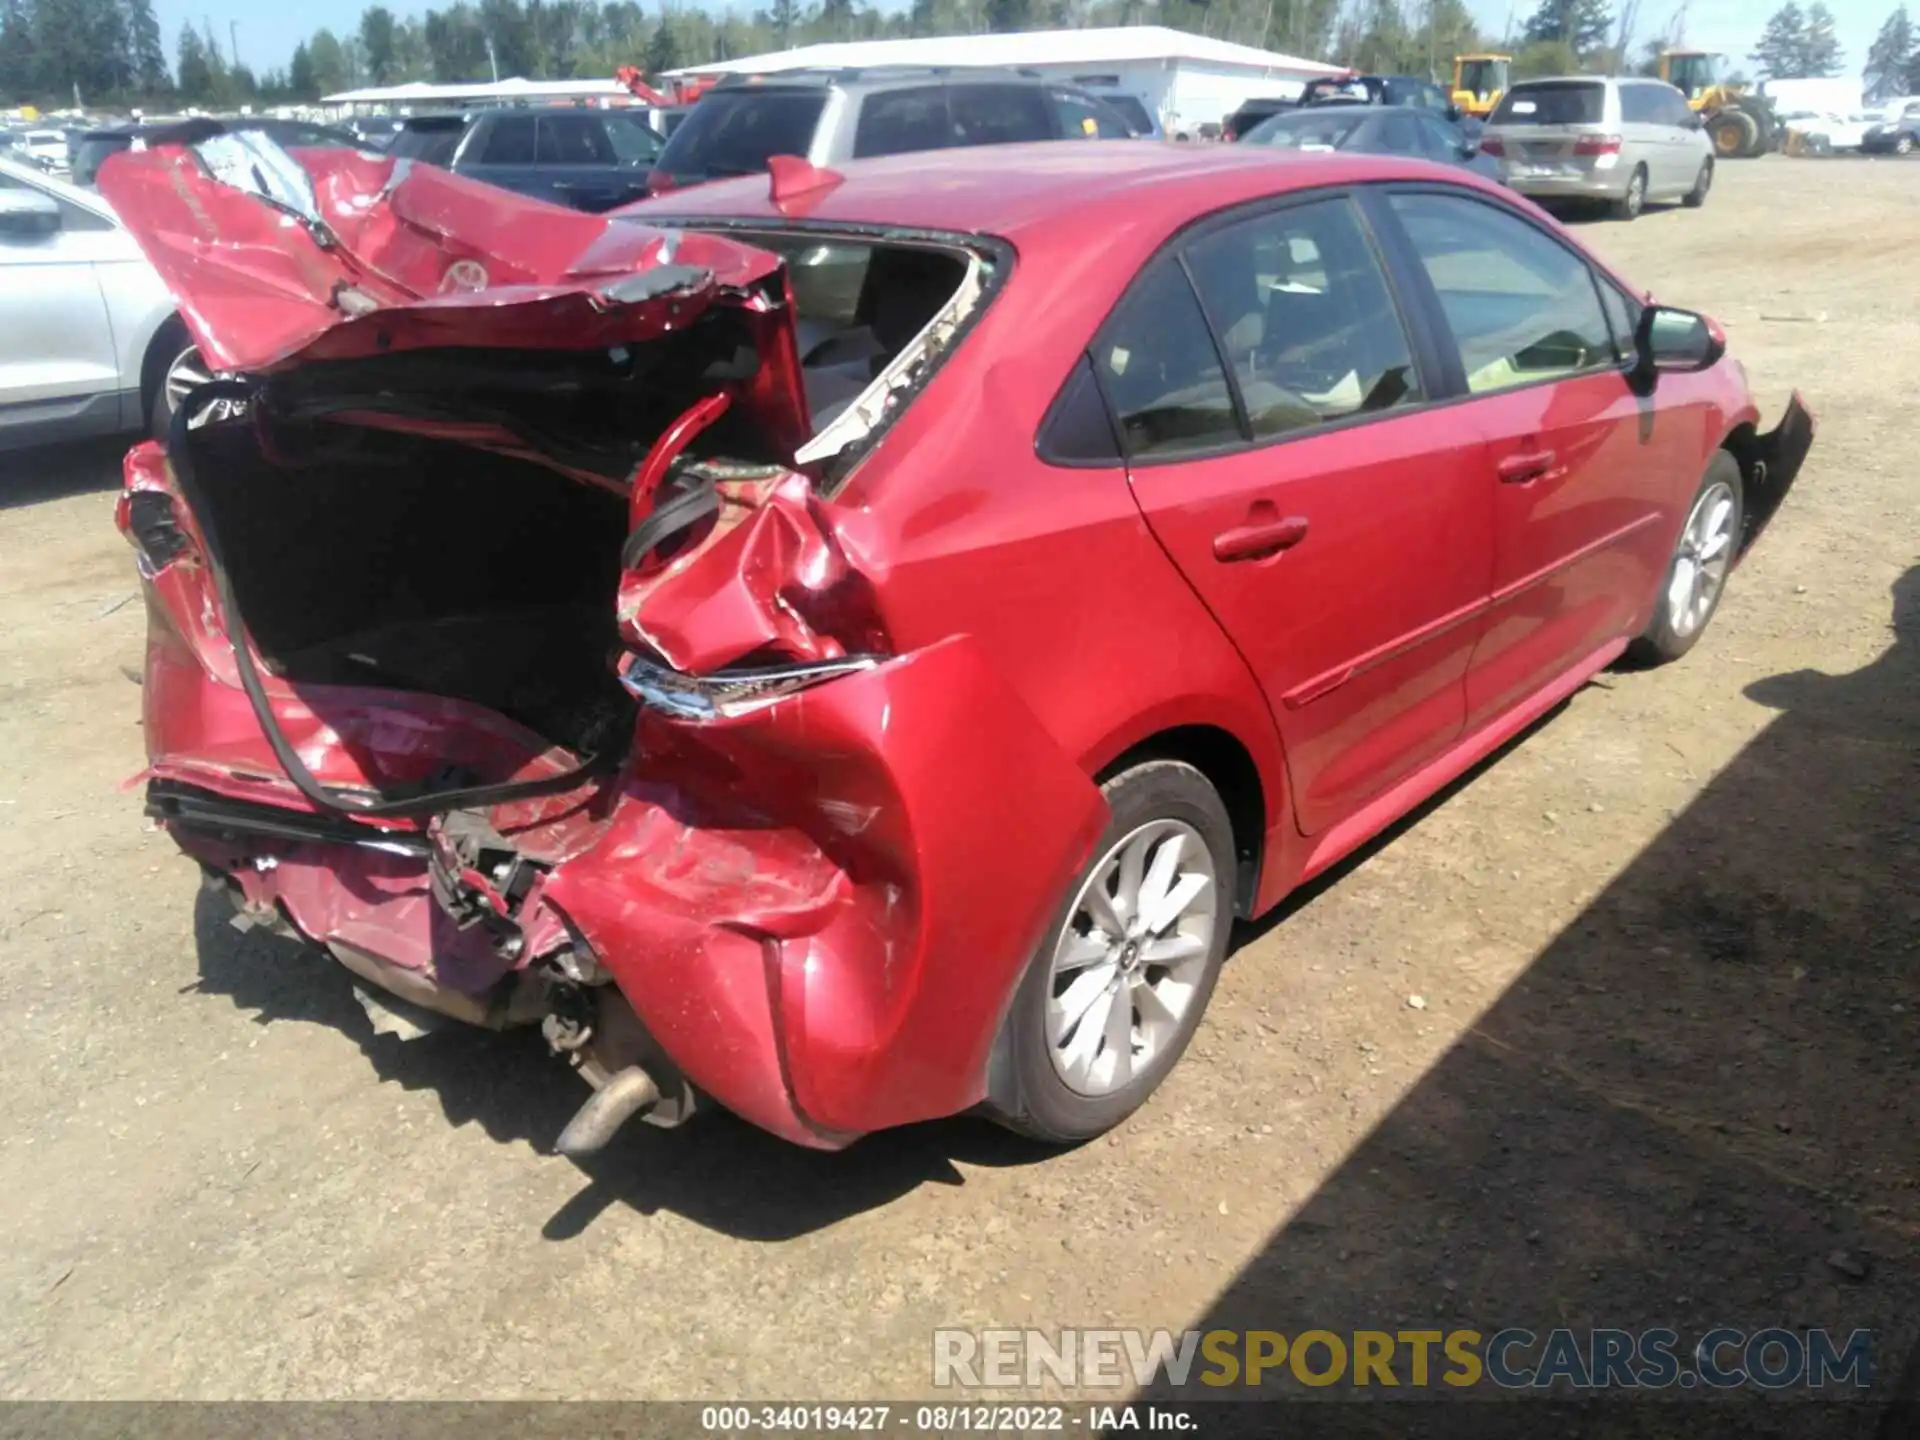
1697	574
1903	146
1117	987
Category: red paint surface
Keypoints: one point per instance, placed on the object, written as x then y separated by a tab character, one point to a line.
821	908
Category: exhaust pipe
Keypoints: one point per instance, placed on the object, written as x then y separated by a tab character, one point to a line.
625	1094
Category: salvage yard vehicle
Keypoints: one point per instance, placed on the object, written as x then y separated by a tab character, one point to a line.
831	645
829	116
589	160
89	344
1586	137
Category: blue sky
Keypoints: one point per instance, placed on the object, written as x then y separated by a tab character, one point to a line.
268	33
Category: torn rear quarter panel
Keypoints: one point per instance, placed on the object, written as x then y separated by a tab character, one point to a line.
831	899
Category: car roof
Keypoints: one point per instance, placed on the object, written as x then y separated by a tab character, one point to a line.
814	77
1041	186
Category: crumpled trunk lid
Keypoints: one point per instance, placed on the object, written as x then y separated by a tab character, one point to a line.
340	256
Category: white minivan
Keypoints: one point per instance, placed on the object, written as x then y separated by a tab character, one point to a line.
1623	140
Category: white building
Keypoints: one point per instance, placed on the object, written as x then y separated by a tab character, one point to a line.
1187	80
418	93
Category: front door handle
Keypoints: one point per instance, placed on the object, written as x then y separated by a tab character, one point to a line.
1526	467
1259	538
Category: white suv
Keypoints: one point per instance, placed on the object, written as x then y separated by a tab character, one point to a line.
88	337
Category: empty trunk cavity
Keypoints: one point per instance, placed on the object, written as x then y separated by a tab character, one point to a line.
408	563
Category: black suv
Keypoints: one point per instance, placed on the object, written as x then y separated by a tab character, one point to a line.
830	116
584	159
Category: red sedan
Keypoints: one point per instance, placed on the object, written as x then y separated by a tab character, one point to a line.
846	647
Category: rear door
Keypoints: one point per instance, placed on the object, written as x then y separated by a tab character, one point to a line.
1553	129
1275	410
575	155
1649	138
503	150
1580	468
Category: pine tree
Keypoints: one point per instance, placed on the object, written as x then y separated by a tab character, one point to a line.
1823	55
19	60
1781	52
302	83
1586	25
1889	56
377	42
147	52
192	69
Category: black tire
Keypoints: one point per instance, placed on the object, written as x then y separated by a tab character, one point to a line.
1629	205
1026	1092
1735	135
1697	196
1664	639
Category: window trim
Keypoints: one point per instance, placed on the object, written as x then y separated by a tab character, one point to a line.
1430	297
1420	346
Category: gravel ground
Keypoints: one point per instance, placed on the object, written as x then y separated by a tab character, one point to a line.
1663	1071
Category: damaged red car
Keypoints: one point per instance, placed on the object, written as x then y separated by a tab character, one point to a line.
846	647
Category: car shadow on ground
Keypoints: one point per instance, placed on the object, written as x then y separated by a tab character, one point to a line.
1696	1107
717	1171
52	472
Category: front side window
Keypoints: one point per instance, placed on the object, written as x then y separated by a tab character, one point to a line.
1522	307
1303	312
1160	370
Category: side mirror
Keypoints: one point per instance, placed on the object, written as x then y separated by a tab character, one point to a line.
27	215
1671	341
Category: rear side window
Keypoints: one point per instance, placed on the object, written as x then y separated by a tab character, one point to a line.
1082	118
572	140
1159	369
898	122
432	144
1522	307
1674	109
509	141
998	114
1132	111
1397	135
1557	102
733	132
1640	105
1303	311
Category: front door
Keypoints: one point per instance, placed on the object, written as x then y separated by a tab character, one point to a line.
1578	463
1335	525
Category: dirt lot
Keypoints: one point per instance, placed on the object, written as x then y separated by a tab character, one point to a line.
1665	1068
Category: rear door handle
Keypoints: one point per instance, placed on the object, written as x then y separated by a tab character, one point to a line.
1525	468
1259	538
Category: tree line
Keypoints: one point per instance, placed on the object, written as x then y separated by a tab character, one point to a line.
110	52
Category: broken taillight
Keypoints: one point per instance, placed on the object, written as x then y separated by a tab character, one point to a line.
146	518
729	694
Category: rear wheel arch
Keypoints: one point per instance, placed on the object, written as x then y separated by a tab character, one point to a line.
1229	767
167	342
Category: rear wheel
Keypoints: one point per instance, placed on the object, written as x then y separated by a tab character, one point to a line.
1118	985
1697	574
1697	196
1903	145
1629	205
